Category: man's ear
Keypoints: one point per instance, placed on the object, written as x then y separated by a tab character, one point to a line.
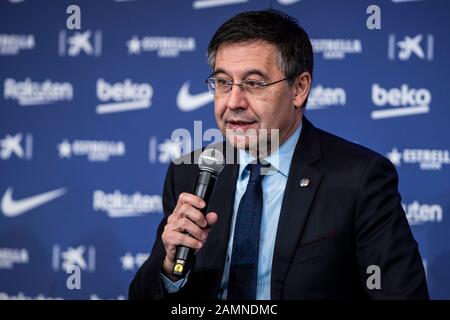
301	85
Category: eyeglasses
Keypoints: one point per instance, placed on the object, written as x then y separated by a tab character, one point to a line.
222	86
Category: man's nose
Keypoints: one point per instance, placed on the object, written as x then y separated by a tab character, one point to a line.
237	98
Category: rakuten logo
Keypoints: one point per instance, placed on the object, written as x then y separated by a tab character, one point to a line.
323	97
403	101
22	296
120	205
418	214
31	93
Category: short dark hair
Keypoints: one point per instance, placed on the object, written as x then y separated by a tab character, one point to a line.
294	50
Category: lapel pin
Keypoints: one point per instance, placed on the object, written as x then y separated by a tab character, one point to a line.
304	182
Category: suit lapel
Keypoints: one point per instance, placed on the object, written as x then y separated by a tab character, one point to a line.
296	204
221	202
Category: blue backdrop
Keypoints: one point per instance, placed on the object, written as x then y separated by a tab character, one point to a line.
86	118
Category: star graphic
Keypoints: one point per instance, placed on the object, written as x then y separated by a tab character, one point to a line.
64	149
395	157
127	261
134	46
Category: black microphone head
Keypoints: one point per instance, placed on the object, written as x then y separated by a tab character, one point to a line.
211	160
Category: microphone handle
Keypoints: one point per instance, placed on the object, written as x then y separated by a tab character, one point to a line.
184	255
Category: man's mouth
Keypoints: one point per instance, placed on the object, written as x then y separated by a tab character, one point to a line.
240	124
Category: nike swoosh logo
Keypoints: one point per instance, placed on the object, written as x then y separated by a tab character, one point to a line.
13	208
187	102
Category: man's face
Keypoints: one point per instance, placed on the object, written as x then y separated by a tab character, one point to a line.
273	107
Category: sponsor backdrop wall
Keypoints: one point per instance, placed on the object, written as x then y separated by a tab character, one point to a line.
86	118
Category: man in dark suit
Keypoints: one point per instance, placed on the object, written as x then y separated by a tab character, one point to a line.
327	223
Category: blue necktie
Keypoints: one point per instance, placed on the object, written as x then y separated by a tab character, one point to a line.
244	259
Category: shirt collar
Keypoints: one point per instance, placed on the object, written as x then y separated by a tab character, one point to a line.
285	153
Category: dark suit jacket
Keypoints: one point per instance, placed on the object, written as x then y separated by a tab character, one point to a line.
348	218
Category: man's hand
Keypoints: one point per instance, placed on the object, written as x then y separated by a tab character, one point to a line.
186	226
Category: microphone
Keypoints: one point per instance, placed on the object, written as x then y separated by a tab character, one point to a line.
210	163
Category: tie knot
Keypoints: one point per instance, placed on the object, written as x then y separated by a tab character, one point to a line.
255	170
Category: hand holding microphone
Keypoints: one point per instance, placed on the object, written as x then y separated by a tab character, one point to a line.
187	227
